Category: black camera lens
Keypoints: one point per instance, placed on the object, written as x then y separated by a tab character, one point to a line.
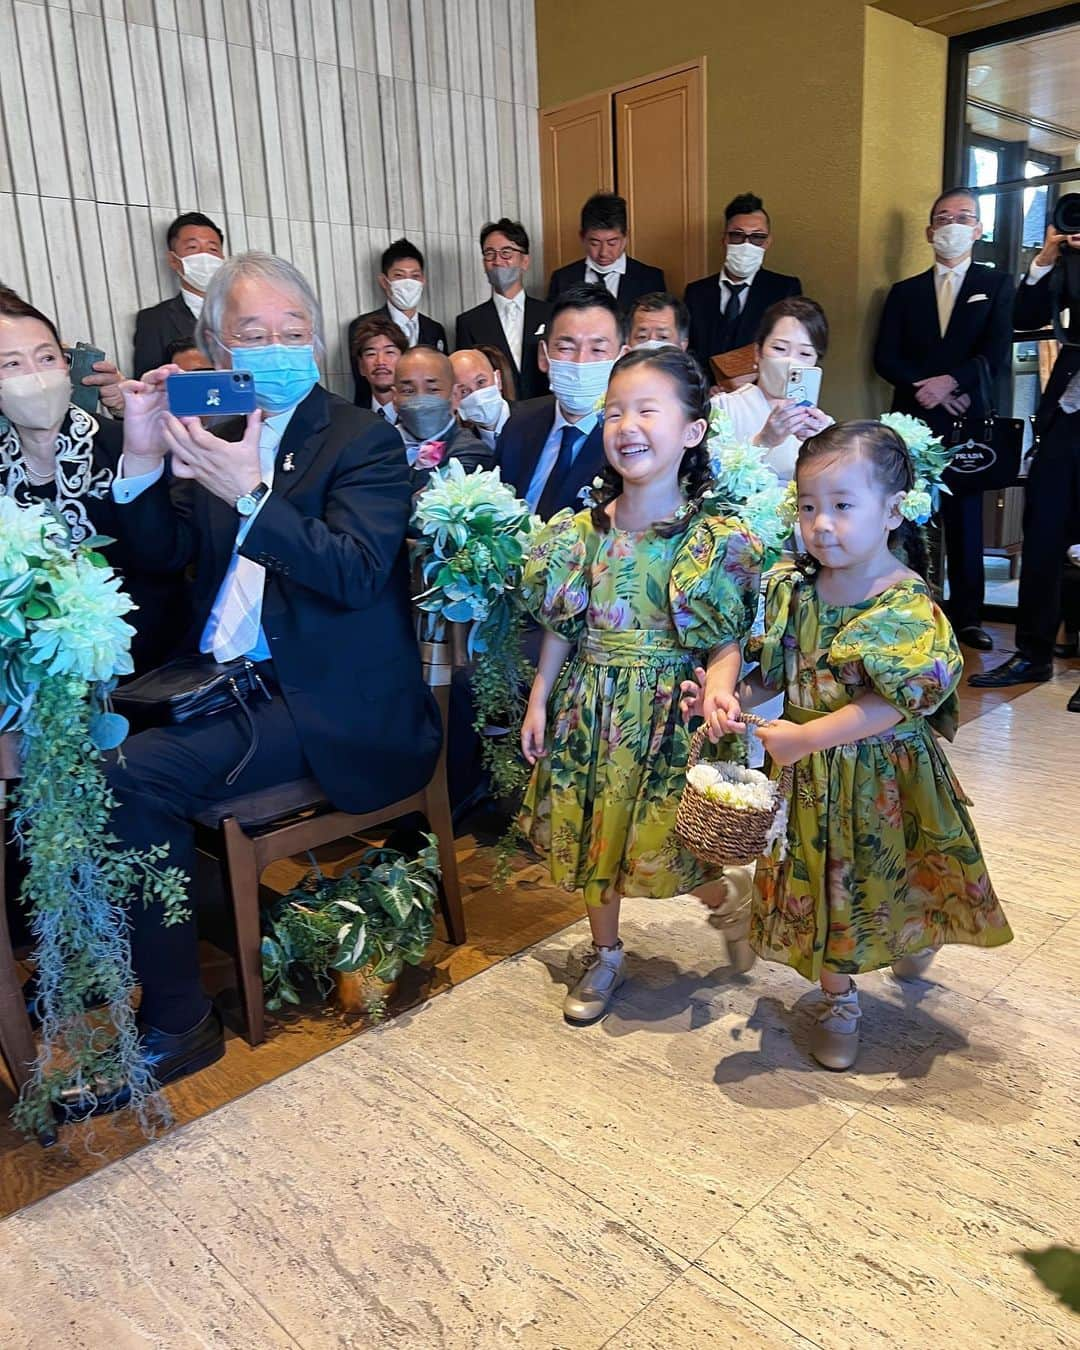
1066	217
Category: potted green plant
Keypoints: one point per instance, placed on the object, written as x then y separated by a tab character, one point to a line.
356	931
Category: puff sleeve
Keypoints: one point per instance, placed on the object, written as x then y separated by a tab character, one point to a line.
714	585
555	575
904	650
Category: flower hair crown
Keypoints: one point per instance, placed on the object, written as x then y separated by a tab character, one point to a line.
930	458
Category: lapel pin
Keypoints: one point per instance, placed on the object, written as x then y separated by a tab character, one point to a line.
288	463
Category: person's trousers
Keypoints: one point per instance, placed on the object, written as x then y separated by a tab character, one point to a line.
962	525
169	775
1053	492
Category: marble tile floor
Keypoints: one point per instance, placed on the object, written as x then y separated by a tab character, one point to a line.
478	1174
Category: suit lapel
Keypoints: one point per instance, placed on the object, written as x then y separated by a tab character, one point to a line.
296	452
586	466
491	331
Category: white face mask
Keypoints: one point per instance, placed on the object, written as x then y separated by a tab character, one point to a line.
482	406
953	241
579	385
406	292
743	260
773	374
199	269
37	400
653	344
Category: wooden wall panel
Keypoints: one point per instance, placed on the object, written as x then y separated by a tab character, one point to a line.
320	129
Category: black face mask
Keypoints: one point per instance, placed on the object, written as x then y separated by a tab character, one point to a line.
424	415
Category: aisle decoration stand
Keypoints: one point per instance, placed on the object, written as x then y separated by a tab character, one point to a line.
63	643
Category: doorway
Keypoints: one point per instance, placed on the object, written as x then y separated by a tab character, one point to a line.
646	141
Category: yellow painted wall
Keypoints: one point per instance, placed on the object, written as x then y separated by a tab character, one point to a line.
785	101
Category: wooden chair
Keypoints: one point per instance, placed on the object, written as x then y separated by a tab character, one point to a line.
16	1034
246	834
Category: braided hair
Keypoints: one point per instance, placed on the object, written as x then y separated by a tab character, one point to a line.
695	476
893	471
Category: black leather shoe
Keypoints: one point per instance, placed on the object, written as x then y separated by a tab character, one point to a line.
974	636
168	1057
32	996
1073	704
1066	650
1016	670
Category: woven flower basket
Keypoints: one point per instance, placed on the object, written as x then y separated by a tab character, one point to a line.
720	834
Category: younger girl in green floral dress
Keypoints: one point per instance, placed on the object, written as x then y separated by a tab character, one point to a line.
881	864
636	592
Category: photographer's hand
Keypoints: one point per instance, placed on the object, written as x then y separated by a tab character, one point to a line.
1054	242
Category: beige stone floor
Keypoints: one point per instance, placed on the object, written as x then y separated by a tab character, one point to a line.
477	1174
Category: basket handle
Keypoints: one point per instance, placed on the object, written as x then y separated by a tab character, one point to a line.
697	740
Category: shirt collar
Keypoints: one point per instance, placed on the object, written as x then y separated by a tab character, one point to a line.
401	319
504	305
194	302
389	410
584	424
443	435
960	270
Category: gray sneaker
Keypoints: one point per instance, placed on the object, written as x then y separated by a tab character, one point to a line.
834	1041
589	999
914	967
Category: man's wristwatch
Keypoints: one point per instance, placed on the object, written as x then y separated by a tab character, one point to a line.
247	504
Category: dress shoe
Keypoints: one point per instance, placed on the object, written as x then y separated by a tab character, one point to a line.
974	636
168	1057
834	1041
589	999
1067	650
1017	669
1073	704
31	991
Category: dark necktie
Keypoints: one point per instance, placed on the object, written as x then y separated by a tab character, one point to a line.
732	314
382	412
571	439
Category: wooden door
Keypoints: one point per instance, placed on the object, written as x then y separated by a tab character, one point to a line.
660	170
576	160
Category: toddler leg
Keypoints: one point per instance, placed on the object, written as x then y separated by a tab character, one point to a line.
590	998
729	902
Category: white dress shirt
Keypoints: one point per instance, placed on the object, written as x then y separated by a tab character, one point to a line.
609	277
386	410
512	317
947	283
410	327
550	453
194	302
726	289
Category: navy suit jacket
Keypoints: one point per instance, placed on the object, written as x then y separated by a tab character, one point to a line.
482	327
336	609
910	345
432	334
156	328
704	300
521	441
639	279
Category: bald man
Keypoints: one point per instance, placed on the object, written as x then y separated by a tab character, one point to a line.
426	408
478	394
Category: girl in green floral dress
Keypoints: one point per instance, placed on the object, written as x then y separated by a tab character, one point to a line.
881	864
636	592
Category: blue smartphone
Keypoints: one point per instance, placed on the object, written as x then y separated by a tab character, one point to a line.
211	393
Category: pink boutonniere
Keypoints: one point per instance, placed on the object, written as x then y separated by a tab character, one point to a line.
430	455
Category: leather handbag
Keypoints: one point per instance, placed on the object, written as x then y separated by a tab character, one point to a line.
739	366
988	449
194	686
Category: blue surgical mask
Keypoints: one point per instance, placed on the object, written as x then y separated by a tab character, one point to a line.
579	385
283	376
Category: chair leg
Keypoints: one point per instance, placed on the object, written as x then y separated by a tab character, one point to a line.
16	1035
242	881
437	810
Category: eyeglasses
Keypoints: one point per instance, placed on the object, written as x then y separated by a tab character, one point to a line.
299	336
505	255
961	218
759	237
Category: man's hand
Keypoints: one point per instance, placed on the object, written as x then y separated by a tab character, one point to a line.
956	404
1054	242
934	391
227	469
107	380
145	404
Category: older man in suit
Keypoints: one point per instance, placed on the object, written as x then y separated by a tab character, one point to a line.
552	448
296	536
606	262
944	341
511	321
726	308
196	249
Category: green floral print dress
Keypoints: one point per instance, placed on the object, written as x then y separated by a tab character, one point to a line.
642	611
881	858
